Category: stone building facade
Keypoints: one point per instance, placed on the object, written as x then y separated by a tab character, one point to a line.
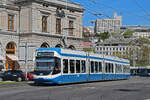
26	25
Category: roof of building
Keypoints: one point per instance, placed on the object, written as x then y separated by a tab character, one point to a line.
61	3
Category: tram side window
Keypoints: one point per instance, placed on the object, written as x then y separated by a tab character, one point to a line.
100	67
72	66
92	67
77	66
125	69
111	68
107	67
148	70
128	69
57	68
96	67
118	68
83	66
65	66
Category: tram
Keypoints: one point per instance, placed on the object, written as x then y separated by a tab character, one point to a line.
140	71
62	66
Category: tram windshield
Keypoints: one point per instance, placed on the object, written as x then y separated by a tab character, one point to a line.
47	65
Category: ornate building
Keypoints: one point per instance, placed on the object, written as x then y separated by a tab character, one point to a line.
26	25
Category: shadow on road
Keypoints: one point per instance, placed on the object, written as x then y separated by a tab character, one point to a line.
128	90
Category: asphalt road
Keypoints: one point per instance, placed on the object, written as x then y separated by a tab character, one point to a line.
133	89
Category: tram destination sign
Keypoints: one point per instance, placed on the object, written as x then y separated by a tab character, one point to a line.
45	54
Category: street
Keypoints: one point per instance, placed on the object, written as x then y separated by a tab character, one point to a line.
133	89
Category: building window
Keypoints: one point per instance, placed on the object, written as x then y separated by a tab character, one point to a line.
70	28
58	26
10	22
71	11
44	24
45	45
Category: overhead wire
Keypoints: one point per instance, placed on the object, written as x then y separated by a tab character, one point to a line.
142	8
116	9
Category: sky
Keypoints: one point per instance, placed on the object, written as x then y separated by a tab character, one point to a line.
133	12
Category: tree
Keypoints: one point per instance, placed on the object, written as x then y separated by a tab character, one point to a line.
102	36
84	34
144	41
128	33
139	52
142	52
89	50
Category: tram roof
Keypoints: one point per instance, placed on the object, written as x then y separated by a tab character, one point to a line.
83	54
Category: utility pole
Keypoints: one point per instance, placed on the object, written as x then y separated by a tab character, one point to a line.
26	59
66	33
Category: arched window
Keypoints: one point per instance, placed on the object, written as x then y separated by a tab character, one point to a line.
58	46
11	48
44	45
72	47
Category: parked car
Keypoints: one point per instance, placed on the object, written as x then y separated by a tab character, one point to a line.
12	75
30	75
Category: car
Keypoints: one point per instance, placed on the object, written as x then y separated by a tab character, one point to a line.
12	75
30	75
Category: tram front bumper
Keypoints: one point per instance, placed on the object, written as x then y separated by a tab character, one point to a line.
43	81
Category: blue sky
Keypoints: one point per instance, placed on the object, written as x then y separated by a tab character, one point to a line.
133	12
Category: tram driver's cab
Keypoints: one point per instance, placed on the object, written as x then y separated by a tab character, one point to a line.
47	64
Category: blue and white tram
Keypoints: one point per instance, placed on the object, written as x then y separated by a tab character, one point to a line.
140	71
61	66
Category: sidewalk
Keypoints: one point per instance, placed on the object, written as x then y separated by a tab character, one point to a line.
14	83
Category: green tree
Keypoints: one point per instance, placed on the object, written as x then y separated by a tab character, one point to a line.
89	50
144	41
84	34
142	52
103	36
128	33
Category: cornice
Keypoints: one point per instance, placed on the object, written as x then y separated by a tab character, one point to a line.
10	7
49	35
79	8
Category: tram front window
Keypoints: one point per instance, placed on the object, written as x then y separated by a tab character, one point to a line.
44	65
47	65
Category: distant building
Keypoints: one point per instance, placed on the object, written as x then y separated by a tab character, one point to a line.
139	31
142	34
91	29
113	45
108	25
135	27
88	30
